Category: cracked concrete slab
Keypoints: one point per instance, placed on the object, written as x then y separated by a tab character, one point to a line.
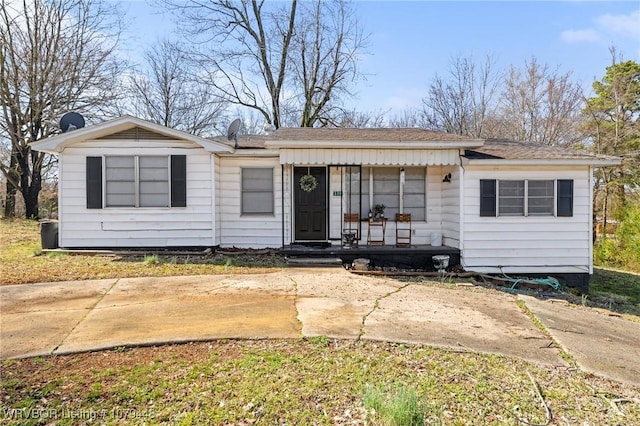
185	318
141	311
334	302
35	318
40	319
600	344
468	319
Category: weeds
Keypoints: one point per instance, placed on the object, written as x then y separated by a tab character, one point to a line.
151	259
399	406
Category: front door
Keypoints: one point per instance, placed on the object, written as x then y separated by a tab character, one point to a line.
310	203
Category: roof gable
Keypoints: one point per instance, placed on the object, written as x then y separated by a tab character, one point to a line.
124	128
137	133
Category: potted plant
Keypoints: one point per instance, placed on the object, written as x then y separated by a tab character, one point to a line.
379	210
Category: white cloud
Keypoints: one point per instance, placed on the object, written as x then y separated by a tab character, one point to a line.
625	25
580	36
605	28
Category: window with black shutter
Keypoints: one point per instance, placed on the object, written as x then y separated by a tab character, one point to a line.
178	181
94	182
487	197
565	198
137	181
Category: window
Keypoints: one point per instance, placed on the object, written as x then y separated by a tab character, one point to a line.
121	181
413	193
136	181
526	197
540	197
257	191
511	197
387	190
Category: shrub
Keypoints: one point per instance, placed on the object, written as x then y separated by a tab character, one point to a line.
623	251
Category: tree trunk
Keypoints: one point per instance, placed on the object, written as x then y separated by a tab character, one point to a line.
31	205
10	201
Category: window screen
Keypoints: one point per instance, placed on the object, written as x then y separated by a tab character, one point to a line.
414	193
511	198
540	197
154	181
121	181
257	191
386	189
141	181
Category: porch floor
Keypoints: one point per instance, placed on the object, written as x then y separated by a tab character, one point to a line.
413	257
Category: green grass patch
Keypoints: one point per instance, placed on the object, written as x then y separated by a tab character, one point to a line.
301	382
23	262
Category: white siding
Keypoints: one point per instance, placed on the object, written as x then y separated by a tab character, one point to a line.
216	211
451	207
336	185
135	227
520	244
247	231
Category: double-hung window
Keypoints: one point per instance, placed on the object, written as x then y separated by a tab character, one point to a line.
400	190
526	197
136	181
257	191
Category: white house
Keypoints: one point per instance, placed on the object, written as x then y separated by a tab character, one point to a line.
503	206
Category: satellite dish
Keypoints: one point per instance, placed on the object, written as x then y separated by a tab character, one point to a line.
71	121
234	128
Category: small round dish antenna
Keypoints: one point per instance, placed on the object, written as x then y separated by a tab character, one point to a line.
232	132
71	121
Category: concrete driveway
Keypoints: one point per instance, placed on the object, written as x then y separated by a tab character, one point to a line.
68	317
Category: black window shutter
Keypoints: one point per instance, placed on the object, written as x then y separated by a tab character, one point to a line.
178	181
488	197
565	197
94	182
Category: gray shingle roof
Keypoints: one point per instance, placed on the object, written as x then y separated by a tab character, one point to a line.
373	135
495	149
514	150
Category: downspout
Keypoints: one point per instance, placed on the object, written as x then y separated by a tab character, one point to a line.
214	201
461	211
591	185
282	199
60	191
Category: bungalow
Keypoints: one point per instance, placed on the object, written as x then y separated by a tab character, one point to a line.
502	206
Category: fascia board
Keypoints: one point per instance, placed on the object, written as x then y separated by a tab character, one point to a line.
335	144
56	144
596	162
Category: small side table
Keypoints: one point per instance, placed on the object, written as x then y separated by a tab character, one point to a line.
380	225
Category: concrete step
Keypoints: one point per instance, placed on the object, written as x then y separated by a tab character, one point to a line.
314	261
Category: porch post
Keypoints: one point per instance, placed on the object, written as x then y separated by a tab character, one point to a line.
282	199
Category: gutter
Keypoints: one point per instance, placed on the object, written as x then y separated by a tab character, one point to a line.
342	144
596	162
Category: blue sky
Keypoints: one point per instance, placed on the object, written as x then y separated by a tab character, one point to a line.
411	41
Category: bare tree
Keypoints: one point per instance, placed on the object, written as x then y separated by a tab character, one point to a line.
462	101
55	56
541	106
276	58
169	94
324	52
360	119
407	118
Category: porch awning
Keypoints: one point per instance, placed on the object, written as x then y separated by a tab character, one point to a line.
377	157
